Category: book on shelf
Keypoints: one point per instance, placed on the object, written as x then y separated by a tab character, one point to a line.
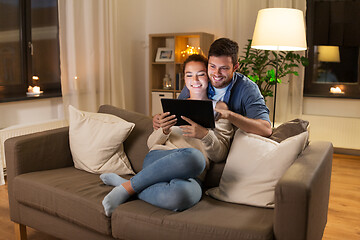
179	81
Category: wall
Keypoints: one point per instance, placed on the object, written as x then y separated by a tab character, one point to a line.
133	50
335	120
30	111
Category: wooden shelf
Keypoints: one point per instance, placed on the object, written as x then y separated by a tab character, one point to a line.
178	42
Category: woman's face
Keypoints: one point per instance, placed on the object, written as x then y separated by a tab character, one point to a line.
196	78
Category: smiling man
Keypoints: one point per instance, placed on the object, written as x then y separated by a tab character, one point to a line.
247	109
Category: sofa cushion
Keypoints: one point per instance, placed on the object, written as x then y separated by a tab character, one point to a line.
68	193
209	219
254	166
289	129
135	145
279	134
96	142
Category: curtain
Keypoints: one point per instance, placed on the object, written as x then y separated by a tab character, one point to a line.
240	18
90	60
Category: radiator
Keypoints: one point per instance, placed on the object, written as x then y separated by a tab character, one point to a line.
342	132
19	130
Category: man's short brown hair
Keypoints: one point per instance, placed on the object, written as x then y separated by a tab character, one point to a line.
224	47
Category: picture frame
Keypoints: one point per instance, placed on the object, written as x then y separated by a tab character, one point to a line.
165	55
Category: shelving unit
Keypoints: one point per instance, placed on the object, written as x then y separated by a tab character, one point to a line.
157	70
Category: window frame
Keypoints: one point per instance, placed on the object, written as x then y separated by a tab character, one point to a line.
315	89
17	92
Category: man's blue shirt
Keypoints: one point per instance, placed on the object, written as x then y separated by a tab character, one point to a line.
242	96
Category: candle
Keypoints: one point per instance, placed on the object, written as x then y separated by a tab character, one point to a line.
36	89
336	90
76	83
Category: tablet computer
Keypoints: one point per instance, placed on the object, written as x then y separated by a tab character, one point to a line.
200	111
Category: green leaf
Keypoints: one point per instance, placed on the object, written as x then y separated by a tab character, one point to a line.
259	66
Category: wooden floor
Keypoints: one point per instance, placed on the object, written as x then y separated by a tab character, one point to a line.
344	205
343	216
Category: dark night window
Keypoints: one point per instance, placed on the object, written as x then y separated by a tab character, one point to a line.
334	40
29	46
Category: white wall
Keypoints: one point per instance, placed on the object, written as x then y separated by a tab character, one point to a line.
170	16
335	120
133	50
332	107
30	111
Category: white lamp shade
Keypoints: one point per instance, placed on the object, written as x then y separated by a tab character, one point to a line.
328	54
280	29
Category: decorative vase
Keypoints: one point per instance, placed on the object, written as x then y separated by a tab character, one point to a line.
167	82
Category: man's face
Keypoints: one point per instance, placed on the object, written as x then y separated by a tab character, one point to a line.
220	71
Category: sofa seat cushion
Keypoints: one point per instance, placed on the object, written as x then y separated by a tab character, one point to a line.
209	219
68	193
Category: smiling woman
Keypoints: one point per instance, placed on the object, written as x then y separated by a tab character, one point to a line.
29	47
196	78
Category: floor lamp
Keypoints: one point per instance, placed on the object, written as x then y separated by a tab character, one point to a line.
279	29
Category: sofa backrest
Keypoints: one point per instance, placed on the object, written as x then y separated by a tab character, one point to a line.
135	145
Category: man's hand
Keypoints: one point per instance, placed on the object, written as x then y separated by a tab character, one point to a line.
193	130
223	113
164	121
249	125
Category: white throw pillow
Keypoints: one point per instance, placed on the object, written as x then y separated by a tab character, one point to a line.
96	142
254	166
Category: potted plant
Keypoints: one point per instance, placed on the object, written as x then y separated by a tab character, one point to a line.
260	65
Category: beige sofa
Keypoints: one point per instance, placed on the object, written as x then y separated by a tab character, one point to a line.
47	193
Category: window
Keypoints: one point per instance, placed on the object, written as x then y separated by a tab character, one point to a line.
29	46
334	41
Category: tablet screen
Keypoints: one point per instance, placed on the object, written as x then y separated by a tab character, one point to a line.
200	111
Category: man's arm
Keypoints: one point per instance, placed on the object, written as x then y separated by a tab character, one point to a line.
257	126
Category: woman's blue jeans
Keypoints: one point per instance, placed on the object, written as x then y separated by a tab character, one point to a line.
167	179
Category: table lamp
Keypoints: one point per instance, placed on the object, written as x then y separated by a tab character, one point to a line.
326	55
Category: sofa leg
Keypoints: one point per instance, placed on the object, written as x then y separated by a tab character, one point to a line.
20	231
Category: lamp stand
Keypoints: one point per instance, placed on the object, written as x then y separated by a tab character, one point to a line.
276	76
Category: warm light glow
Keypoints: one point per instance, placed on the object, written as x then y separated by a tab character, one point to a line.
280	29
328	54
75	77
35	78
36	89
336	90
190	50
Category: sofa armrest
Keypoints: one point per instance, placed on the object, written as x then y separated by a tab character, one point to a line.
38	151
302	194
35	152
